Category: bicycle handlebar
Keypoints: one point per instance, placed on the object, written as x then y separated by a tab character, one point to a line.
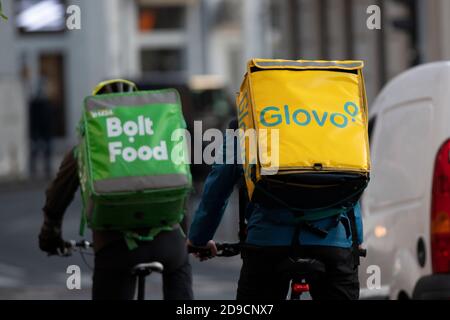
83	244
223	250
233	249
72	245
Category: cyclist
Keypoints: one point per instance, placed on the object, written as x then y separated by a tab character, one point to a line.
272	236
113	279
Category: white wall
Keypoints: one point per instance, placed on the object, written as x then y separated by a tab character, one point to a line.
8	64
13	113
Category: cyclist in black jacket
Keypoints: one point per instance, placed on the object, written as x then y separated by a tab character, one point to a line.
113	279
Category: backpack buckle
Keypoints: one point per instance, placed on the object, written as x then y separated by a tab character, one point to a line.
318	166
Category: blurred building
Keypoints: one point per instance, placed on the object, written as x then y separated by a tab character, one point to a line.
118	38
412	32
179	39
13	113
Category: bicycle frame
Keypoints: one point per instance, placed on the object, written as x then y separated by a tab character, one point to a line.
299	283
141	271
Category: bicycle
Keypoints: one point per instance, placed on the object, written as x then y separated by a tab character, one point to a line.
141	271
300	271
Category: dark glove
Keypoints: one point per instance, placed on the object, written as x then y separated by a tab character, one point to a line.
50	239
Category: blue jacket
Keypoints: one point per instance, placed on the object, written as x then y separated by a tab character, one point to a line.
266	227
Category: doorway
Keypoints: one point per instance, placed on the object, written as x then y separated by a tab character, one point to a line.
51	65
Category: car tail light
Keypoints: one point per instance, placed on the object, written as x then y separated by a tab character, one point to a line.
440	212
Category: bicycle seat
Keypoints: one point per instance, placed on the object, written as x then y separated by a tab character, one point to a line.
147	268
302	267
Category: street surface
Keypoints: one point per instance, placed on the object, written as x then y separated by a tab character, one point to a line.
27	273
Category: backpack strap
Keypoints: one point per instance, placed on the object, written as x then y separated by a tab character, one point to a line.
132	238
243	203
295	243
83	223
83	220
300	212
306	225
243	196
323	233
355	245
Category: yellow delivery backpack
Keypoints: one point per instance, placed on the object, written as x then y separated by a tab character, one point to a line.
304	133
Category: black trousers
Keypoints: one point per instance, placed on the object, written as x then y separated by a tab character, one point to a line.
112	273
261	278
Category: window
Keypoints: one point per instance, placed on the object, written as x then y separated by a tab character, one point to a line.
162	60
51	65
401	151
161	18
37	16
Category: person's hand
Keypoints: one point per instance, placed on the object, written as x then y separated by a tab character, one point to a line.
210	248
50	239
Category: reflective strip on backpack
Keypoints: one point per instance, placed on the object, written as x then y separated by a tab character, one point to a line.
141	183
135	100
310	64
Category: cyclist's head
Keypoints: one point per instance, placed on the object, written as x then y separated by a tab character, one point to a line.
114	86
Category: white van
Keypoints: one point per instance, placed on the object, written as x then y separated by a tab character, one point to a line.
406	208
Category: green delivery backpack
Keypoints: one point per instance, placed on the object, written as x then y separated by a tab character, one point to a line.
132	162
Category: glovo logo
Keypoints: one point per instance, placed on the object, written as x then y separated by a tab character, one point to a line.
273	116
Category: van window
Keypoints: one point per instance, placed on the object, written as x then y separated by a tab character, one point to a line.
400	153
